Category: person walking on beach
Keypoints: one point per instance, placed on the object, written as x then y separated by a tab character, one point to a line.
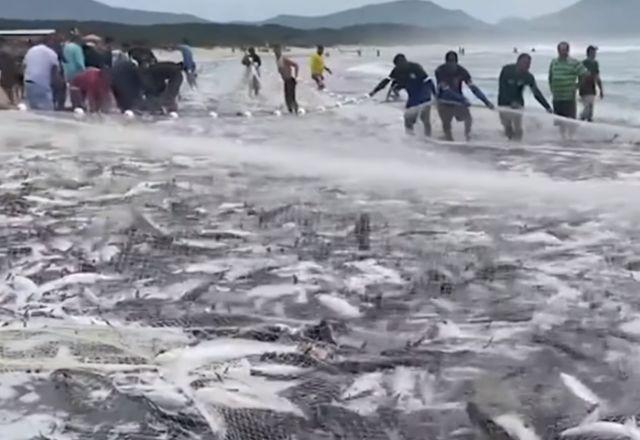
318	68
513	79
420	88
451	102
564	75
42	71
289	71
589	83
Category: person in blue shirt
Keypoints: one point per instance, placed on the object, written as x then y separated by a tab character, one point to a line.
420	90
188	62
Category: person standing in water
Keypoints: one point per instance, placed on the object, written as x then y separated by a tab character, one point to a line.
513	79
318	67
289	71
253	63
589	83
189	63
420	88
564	74
451	102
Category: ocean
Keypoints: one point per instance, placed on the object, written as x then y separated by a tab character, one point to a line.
235	273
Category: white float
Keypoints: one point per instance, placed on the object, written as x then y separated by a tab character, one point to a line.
302	112
247	114
129	114
322	109
213	115
78	112
173	115
277	113
23	107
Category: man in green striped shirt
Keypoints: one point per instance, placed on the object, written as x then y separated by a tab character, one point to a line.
564	76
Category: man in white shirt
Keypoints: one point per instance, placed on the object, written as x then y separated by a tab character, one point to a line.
42	69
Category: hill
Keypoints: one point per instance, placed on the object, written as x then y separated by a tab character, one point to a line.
404	12
601	17
86	10
214	34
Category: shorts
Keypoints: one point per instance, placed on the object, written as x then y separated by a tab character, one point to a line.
449	111
38	97
566	109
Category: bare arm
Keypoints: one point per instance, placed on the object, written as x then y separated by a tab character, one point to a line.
599	83
293	65
384	83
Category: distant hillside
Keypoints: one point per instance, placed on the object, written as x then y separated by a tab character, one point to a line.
602	17
418	13
213	34
86	10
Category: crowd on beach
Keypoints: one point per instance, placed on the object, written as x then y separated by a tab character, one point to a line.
90	73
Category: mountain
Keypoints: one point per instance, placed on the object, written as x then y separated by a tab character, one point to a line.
86	10
404	12
610	17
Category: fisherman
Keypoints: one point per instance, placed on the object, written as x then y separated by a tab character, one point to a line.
564	74
253	63
94	55
11	77
318	67
420	88
90	90
107	52
513	79
74	62
127	86
162	82
289	71
42	70
188	62
589	83
451	102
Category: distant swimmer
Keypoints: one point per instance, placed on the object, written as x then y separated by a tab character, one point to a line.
420	88
189	63
253	63
289	71
318	68
564	75
451	102
41	71
162	83
589	83
513	79
127	86
90	90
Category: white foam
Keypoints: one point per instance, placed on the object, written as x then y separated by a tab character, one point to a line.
339	306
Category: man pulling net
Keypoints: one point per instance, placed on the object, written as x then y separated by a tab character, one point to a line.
451	102
513	79
253	63
420	88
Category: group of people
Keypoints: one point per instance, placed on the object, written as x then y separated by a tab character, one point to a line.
91	74
567	78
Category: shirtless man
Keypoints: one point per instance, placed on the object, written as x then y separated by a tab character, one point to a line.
289	71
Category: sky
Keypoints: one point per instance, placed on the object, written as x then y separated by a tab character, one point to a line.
254	10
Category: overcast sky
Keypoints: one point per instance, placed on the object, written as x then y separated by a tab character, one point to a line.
250	10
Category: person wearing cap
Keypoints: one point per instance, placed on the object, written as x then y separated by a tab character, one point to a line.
420	89
564	75
589	83
451	102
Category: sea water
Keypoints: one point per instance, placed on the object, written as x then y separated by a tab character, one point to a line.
321	276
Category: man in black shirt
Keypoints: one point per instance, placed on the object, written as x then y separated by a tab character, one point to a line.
513	79
451	102
127	86
162	82
253	63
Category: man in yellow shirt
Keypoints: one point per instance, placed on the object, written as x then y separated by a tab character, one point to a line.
318	68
